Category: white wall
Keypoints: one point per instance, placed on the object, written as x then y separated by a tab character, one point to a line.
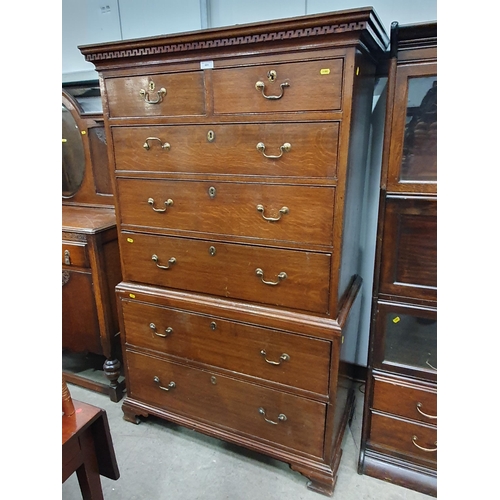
94	21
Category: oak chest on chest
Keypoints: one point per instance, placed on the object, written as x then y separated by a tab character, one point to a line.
239	157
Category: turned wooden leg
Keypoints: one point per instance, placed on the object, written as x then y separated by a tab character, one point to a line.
111	369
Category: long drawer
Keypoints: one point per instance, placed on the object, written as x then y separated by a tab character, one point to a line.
167	94
418	441
294	422
405	400
270	149
289	278
271	88
297	213
285	358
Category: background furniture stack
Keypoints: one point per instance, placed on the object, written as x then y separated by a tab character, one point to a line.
239	159
90	254
399	439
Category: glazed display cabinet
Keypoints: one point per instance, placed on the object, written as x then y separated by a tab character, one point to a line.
399	437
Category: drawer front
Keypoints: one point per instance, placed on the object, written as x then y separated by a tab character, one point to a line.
405	438
303	86
136	96
273	149
267	354
405	401
75	254
301	213
228	403
229	270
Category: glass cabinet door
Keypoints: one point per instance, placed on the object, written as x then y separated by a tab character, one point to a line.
413	153
408	339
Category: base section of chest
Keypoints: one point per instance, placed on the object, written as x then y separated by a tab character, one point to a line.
273	384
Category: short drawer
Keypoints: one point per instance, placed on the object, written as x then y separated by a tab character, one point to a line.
168	94
416	442
266	211
270	149
75	254
288	278
406	401
294	422
285	358
281	87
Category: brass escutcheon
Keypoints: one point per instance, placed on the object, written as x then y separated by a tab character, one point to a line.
212	251
272	75
212	192
210	136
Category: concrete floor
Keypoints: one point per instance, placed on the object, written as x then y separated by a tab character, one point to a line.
159	460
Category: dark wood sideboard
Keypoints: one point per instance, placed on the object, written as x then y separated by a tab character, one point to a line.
90	252
239	161
399	437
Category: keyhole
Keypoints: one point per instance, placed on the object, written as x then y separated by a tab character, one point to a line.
271	75
210	136
151	86
211	192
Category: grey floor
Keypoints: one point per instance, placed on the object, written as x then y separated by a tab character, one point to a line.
159	460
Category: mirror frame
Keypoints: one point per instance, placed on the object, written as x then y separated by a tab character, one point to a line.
87	195
75	110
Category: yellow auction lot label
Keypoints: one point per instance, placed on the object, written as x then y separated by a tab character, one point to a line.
325	71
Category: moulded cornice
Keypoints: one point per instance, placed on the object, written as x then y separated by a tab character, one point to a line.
363	23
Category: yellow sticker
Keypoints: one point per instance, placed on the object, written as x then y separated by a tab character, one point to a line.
83	132
65	140
130	240
357	71
131	295
397	319
325	71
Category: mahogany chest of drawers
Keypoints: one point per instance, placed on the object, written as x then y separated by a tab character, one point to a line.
239	158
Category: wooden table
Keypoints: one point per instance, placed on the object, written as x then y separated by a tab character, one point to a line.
87	448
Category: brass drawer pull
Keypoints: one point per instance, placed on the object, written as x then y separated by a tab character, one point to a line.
147	147
285	148
160	93
168	331
261	86
67	258
282	211
414	439
260	272
283	357
171	385
419	405
168	203
155	258
281	417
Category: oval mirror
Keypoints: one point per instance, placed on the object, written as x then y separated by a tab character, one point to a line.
73	155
